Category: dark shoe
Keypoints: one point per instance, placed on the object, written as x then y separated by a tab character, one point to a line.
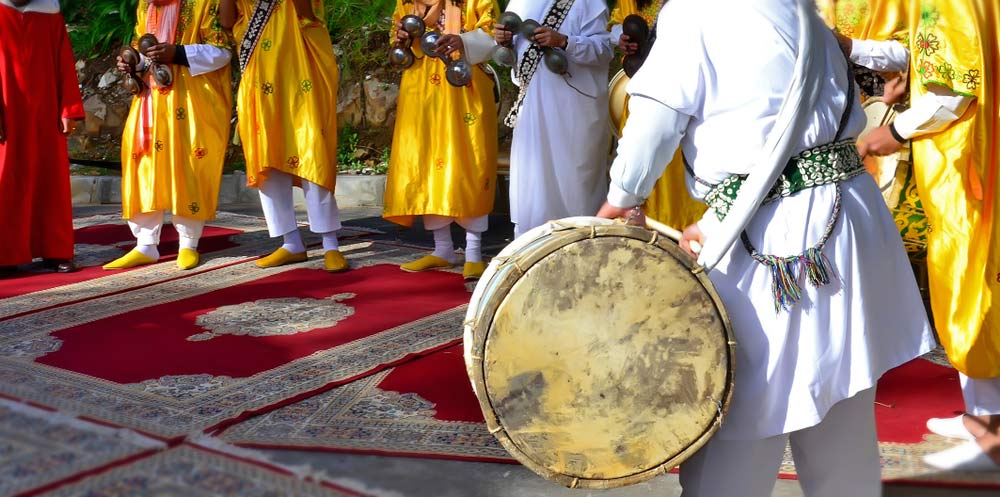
7	271
60	265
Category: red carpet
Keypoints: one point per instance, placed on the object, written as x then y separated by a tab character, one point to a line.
100	239
203	351
426	408
423	408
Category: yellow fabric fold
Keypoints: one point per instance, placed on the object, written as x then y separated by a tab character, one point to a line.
182	169
955	44
444	147
287	99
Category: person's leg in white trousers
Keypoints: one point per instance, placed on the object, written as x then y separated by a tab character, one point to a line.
836	458
279	211
979	427
443	255
147	227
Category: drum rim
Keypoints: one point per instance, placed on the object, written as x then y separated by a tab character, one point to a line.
477	331
615	130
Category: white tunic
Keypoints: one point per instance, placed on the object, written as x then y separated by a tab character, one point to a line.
723	67
561	144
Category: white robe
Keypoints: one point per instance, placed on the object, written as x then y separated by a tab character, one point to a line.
723	67
561	144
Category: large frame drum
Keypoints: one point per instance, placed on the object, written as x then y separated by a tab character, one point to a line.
601	355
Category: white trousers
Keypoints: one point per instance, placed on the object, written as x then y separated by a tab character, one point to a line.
473	224
982	397
837	458
146	227
279	208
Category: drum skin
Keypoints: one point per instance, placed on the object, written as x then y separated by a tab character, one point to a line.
600	354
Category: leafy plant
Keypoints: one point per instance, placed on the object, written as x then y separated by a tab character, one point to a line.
98	26
356	158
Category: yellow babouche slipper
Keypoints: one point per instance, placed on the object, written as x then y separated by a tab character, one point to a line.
426	262
473	270
187	258
132	259
334	262
280	257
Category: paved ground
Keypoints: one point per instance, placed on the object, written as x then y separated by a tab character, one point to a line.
409	477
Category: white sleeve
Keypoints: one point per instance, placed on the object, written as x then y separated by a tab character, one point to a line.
931	112
203	59
616	33
650	138
880	55
478	46
592	45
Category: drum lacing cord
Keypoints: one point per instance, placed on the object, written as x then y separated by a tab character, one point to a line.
503	261
574	483
718	407
655	238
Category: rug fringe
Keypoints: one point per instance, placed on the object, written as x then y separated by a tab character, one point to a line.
71	420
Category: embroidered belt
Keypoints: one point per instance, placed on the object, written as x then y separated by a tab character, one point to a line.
830	163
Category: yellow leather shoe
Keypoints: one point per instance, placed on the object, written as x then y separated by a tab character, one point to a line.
280	257
473	270
424	263
132	259
187	258
334	262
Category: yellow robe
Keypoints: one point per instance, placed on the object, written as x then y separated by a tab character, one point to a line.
182	169
955	44
867	19
670	203
287	99
444	147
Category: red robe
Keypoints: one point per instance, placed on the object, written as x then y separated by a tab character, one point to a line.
38	86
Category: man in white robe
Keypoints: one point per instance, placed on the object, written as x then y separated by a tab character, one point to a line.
724	78
560	149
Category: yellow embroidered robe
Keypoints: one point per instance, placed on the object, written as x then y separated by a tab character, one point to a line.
956	44
182	168
444	147
670	203
287	99
867	19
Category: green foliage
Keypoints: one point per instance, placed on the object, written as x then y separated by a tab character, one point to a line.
359	159
98	26
344	16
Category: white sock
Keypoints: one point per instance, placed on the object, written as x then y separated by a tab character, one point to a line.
293	242
473	246
443	245
189	243
330	241
149	251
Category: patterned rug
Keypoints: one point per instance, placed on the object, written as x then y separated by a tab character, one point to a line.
40	449
200	352
906	397
423	408
188	470
426	408
102	238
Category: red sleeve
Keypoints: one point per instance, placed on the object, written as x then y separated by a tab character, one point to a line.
70	100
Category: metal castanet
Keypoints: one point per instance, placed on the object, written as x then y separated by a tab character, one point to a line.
600	354
162	74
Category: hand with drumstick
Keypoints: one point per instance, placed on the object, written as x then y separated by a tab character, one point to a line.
691	239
